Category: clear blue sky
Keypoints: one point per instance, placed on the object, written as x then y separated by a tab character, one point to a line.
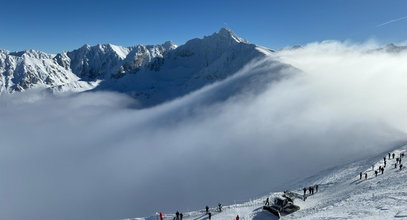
55	26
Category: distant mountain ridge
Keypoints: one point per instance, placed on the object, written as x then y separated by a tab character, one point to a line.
151	73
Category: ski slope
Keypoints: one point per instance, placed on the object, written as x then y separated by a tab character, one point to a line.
342	195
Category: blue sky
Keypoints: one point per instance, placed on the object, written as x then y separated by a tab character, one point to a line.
55	26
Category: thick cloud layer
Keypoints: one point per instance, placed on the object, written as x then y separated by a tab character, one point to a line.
93	156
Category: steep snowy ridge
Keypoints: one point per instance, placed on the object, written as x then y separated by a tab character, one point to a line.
30	69
197	63
151	73
106	61
341	195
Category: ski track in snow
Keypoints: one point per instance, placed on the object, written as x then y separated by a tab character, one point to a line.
342	195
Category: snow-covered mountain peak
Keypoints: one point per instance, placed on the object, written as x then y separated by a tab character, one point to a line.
226	33
169	45
122	52
30	54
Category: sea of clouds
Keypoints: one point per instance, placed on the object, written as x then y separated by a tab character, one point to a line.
96	155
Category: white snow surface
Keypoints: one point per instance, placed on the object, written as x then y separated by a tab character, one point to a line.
342	195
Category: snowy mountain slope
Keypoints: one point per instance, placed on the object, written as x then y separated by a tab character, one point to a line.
342	195
24	70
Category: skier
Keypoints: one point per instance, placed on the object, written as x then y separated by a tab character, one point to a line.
393	155
161	216
389	156
395	165
384	158
384	163
305	190
220	207
209	215
401	166
316	188
360	174
397	160
181	216
177	215
382	171
365	176
207	209
237	217
267	202
375	172
400	160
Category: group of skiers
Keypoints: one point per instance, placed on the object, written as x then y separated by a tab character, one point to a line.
209	213
381	168
311	189
178	216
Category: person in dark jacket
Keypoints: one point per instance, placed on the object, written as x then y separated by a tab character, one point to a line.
209	215
237	217
395	165
393	155
316	188
220	207
177	215
207	209
401	166
267	203
305	190
365	176
375	172
360	175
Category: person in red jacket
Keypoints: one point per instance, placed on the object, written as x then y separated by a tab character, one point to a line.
161	216
237	217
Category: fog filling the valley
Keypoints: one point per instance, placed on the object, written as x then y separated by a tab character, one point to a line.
94	156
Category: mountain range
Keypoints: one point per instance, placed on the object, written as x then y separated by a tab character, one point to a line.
152	74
